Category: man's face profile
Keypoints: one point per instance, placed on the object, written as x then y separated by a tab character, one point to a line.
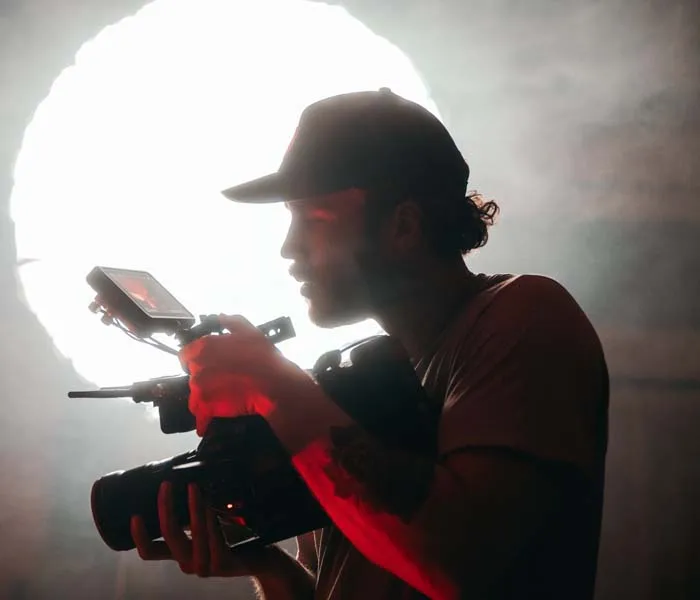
325	236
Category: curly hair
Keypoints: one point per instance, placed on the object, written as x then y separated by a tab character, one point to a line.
458	227
453	227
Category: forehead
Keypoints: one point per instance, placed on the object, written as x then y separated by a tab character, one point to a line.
337	204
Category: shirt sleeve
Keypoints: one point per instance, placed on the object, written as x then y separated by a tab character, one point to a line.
529	375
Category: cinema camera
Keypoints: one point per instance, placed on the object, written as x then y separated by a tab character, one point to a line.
244	473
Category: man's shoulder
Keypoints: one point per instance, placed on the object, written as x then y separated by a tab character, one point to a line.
528	309
512	310
528	287
524	298
535	316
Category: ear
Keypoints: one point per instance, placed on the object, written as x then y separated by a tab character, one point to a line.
406	227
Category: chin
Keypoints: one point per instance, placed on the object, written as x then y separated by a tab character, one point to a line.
328	317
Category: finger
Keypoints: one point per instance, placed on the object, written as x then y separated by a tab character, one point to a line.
145	546
218	548
213	351
202	424
174	536
199	530
212	384
210	395
198	408
234	326
205	349
189	352
217	394
238	324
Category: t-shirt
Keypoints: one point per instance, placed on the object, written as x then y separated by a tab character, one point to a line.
519	369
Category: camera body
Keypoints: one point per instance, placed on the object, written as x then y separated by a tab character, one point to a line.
243	471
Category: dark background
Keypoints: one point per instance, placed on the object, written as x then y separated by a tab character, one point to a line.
594	156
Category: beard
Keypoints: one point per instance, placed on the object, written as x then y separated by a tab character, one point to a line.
385	281
335	302
370	285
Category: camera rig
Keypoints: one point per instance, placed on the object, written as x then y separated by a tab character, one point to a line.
139	305
243	471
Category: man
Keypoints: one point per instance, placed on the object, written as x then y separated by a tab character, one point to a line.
380	222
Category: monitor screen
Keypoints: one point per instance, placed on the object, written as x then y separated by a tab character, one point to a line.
149	295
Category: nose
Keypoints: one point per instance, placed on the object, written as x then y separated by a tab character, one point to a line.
291	247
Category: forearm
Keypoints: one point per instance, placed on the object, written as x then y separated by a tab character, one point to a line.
400	511
286	579
440	528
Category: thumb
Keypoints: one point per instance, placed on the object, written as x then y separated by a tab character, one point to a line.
202	421
237	324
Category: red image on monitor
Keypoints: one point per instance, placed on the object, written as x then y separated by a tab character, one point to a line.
148	294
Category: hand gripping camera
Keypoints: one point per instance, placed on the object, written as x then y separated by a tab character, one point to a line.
243	471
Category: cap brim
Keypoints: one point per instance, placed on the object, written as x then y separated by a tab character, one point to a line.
267	189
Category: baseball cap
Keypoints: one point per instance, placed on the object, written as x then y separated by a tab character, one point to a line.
360	140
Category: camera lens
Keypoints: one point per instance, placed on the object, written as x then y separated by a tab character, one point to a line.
118	496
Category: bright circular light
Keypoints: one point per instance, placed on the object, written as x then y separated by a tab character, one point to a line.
123	163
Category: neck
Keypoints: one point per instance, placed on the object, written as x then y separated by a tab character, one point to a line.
427	305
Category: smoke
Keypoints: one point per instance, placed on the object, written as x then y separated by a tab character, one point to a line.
564	100
577	117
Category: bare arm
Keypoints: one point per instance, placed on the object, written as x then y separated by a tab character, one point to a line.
285	579
290	579
440	528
